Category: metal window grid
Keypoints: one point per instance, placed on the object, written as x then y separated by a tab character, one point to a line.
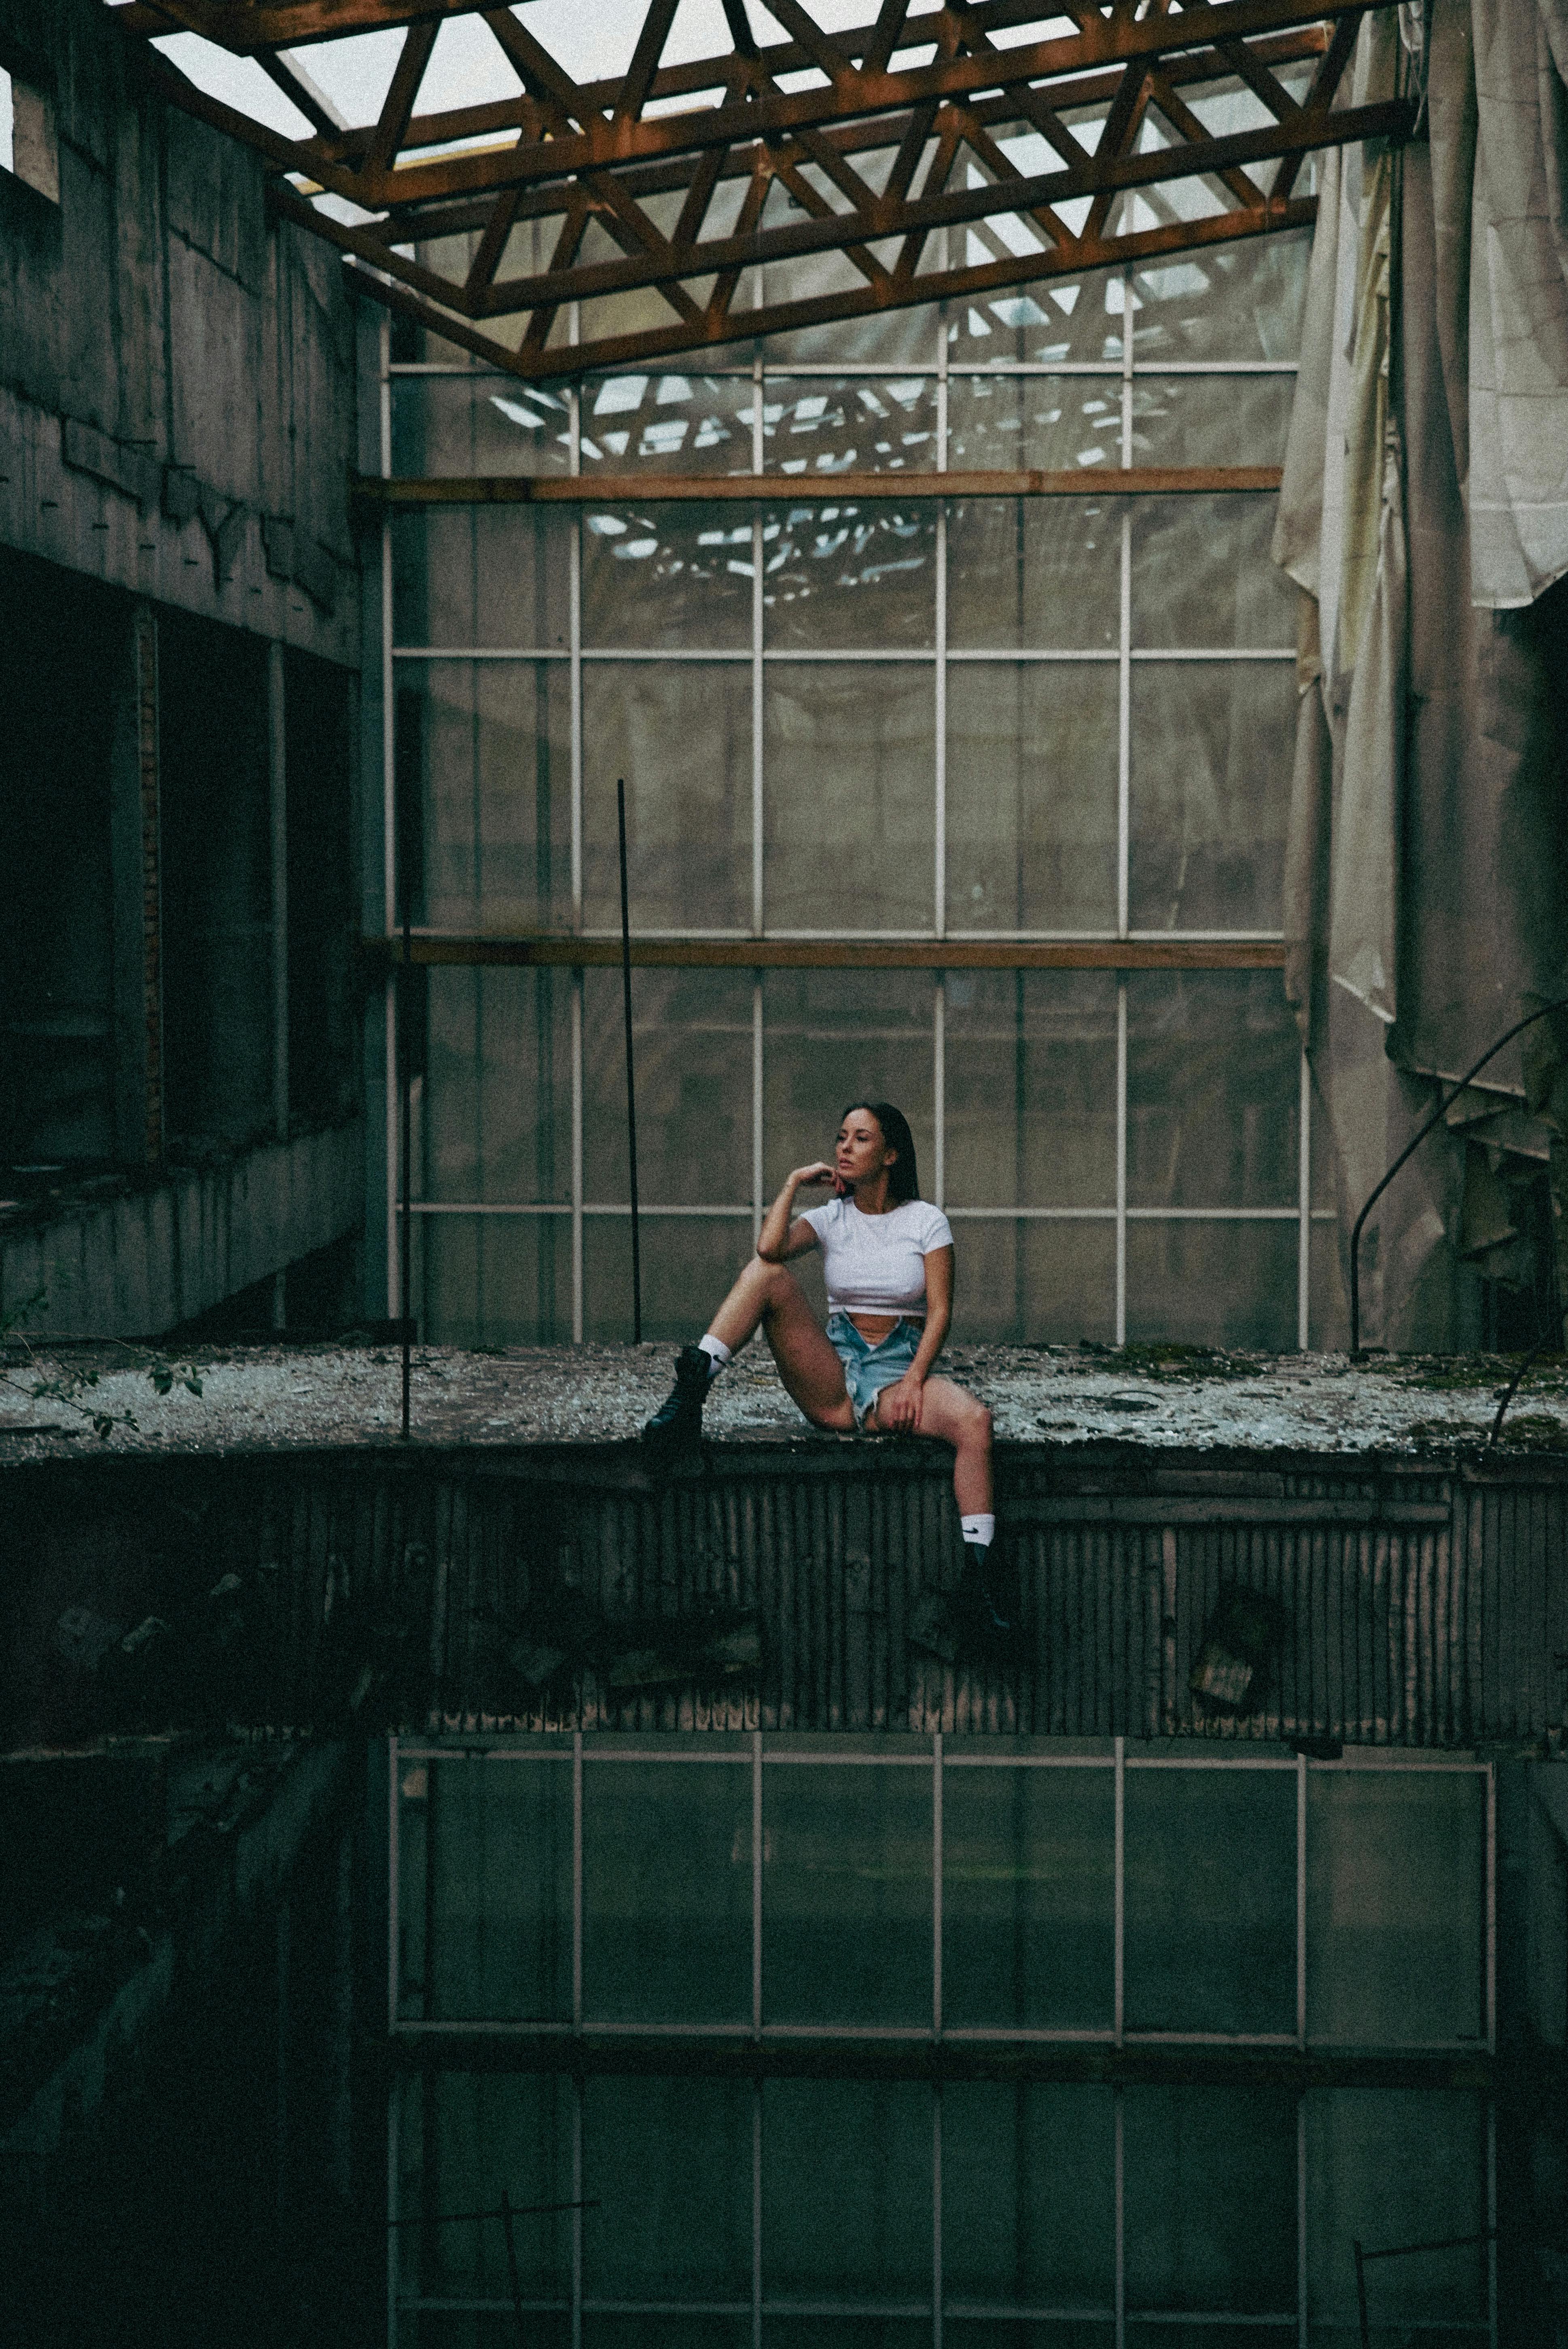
758	1754
940	367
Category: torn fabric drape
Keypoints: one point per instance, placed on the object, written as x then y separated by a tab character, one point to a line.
1423	516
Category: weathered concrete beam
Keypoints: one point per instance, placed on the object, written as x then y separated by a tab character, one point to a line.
145	1260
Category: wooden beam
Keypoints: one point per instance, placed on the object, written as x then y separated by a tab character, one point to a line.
647	345
1121	39
543	952
815	489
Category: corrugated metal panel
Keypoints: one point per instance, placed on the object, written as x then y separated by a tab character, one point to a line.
1422	1609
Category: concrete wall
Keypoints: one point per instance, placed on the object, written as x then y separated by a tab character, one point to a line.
177	370
147	1260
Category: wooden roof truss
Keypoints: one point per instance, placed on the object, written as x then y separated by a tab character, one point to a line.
680	185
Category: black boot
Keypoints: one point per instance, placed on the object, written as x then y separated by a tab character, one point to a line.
987	1606
677	1426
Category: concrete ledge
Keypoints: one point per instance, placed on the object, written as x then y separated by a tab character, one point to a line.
145	1260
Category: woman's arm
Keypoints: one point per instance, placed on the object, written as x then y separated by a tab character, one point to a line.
779	1239
898	1406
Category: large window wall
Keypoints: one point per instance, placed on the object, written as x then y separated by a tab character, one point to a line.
1023	2044
970	725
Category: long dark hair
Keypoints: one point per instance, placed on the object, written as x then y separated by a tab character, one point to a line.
903	1178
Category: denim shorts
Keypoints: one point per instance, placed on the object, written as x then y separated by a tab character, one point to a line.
868	1369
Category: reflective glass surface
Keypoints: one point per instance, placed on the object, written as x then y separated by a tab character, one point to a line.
1396	1907
1210	2219
1213	1091
692	1032
848	840
486	1875
846	1893
867	424
1035	573
1032	796
1028	1900
497	1051
667	1891
837	576
680	736
1210	765
1211	1900
483	749
667	577
1031	1088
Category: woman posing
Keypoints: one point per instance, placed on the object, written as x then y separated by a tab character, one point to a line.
889	1261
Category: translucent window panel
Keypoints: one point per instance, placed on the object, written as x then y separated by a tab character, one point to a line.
1028	2193
1395	1906
667	424
834	1038
1028	1900
1032	796
472	423
1213	1091
483	749
462	2136
490	1870
1202	574
1043	1283
1328	1309
688	1265
1388	2166
1016	423
887	338
672	578
1242	301
681	734
1211	420
1211	1930
667	1892
872	424
846	2192
1035	573
670	2163
495	1107
850	815
1212	745
846	1893
482	576
1210	2199
1031	1083
692	1032
849	575
1222	1284
1075	318
492	1281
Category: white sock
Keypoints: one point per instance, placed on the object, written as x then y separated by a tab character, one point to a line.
979	1531
718	1354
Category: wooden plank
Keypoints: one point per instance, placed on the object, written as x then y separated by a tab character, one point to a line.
829	953
775	489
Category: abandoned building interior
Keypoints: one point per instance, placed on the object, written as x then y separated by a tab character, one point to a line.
1056	523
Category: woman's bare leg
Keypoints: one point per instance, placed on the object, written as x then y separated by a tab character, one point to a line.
766	1296
955	1416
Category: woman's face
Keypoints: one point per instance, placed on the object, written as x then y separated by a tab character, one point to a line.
860	1152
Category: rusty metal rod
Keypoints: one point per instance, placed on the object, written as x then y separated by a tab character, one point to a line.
630	1077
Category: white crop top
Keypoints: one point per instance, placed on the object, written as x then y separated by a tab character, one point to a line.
876	1264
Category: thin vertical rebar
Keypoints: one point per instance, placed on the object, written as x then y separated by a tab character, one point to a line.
1303	1208
630	1073
940	1088
935	2215
1301	2224
1120	2286
756	2214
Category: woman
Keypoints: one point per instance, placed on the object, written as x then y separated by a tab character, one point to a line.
889	1269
